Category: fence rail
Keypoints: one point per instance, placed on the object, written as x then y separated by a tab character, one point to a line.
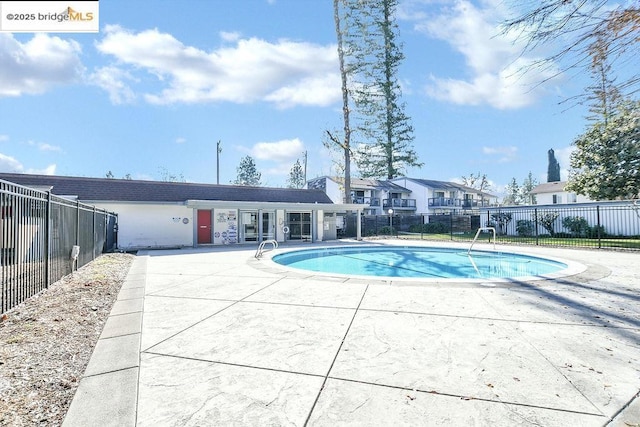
37	234
607	225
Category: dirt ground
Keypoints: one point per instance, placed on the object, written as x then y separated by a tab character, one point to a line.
47	341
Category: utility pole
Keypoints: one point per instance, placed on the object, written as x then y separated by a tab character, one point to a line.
218	151
305	167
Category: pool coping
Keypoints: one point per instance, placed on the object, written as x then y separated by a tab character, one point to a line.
573	268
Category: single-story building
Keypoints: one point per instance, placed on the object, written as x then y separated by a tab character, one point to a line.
158	214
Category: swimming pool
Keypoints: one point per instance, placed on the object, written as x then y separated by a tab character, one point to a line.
418	262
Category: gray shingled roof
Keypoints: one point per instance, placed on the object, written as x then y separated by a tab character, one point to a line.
122	190
358	184
374	184
549	187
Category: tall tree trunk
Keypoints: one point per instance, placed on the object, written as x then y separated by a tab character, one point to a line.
346	146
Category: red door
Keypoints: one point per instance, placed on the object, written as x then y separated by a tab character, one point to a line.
204	226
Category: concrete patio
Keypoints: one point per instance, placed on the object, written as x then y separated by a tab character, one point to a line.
213	336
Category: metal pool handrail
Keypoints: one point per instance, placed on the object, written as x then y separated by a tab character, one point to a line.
478	233
274	243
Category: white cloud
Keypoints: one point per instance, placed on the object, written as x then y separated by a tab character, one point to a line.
494	62
276	158
49	170
48	147
286	73
43	146
4	138
113	81
181	140
504	154
9	164
310	91
283	151
37	65
229	36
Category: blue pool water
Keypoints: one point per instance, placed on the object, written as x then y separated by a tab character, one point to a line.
422	262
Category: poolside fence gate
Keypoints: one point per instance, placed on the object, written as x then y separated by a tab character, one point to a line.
45	237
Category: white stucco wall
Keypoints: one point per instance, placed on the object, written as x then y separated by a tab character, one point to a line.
418	192
547	198
280	220
152	225
319	225
334	191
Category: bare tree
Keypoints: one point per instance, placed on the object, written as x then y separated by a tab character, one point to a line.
479	181
584	30
334	141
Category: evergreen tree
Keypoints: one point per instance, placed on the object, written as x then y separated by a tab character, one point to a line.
373	57
512	193
528	185
553	169
248	173
606	162
604	93
296	176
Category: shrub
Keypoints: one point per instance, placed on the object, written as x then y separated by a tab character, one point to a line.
386	230
431	228
547	220
592	232
524	227
563	235
501	220
576	224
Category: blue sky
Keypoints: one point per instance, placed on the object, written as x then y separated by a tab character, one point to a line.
164	80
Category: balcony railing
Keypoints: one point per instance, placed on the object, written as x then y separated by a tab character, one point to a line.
371	201
399	203
447	202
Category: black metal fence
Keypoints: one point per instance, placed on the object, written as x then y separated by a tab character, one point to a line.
605	225
601	225
40	236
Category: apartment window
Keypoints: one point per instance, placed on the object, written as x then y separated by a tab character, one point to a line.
357	196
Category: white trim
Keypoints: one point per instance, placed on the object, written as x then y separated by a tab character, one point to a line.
329	207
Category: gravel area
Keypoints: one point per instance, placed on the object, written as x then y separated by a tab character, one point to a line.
47	341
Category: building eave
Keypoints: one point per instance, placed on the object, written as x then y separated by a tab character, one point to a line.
327	207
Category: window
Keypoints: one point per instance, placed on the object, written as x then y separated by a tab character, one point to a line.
572	198
299	225
557	199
